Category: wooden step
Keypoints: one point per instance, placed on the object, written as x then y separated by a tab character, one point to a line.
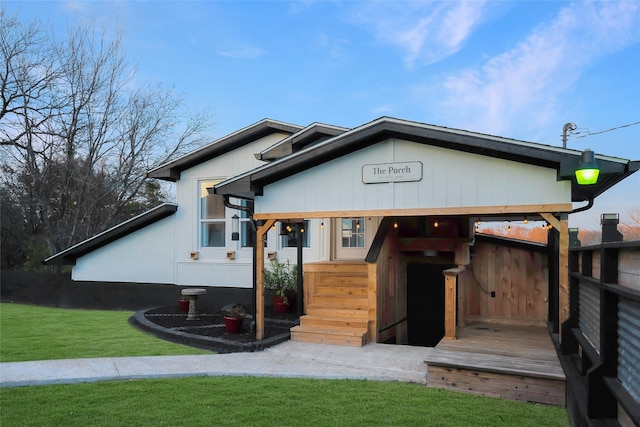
355	281
338	313
340	266
356	291
323	322
342	302
335	336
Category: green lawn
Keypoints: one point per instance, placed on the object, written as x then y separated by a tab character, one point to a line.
38	333
242	401
44	333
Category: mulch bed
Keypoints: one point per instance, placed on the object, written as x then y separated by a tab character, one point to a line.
209	332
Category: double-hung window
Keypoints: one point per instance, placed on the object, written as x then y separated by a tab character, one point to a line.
212	217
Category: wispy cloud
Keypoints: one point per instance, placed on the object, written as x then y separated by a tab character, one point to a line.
529	80
426	31
243	52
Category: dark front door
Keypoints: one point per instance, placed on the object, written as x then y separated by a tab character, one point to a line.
425	303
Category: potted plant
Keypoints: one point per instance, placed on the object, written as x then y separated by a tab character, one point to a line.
183	303
233	315
281	278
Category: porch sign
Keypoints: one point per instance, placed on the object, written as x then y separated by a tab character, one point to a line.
392	172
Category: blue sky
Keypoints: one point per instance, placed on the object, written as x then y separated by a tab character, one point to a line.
517	69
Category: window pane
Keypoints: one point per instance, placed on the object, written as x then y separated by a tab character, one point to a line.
212	207
289	240
353	232
247	234
246	204
213	234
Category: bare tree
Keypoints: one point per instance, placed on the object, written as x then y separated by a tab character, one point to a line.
77	131
630	228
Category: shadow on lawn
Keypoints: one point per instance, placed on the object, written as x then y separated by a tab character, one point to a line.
208	332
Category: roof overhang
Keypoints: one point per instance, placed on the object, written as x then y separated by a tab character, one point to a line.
565	161
171	171
69	256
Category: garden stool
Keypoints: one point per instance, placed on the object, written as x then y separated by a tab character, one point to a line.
192	295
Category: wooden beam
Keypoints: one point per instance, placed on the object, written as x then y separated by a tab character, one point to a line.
563	266
562	225
261	231
442	211
451	277
555	222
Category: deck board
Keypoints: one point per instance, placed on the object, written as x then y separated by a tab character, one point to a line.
497	360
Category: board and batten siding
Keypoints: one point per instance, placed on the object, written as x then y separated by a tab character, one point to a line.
450	179
160	252
213	268
145	256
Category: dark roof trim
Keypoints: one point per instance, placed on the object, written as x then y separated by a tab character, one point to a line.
563	160
69	256
171	171
312	134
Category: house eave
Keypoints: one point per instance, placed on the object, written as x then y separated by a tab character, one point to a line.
565	161
171	171
69	256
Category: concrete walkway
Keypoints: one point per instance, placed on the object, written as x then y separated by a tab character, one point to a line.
380	362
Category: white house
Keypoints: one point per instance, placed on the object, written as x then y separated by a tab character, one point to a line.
372	201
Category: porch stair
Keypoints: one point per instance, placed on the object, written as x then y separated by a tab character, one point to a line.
337	304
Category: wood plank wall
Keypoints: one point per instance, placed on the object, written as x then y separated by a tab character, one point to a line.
629	268
519	279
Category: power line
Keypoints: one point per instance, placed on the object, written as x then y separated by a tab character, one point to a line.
584	134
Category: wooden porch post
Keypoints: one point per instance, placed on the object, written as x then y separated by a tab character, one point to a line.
562	225
450	303
260	233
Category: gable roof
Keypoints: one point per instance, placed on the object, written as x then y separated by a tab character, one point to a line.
69	256
565	161
171	171
312	134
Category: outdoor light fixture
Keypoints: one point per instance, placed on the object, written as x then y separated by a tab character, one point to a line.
284	229
587	172
526	221
395	224
235	227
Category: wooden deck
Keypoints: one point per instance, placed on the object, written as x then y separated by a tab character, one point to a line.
509	362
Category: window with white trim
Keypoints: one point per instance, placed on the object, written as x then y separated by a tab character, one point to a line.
353	232
212	217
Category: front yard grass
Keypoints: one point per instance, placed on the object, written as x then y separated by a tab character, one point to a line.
245	401
44	333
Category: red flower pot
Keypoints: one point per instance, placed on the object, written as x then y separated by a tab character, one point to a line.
283	307
279	305
233	324
184	305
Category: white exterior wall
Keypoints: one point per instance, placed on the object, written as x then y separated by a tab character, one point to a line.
145	256
450	179
213	268
160	252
